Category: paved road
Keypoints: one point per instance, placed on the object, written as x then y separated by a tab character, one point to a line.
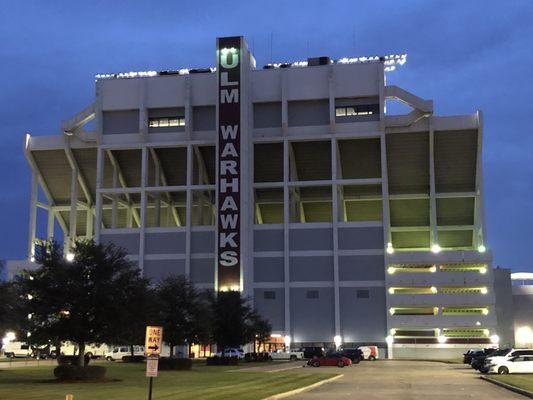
406	380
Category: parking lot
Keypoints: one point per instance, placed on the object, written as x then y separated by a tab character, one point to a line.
407	380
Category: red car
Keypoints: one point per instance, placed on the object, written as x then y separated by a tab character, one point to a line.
330	360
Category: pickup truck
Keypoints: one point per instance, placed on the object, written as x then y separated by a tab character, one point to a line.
287	355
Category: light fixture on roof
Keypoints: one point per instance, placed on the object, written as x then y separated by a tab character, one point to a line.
435	248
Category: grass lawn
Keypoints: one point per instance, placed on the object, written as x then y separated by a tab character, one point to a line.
522	381
201	382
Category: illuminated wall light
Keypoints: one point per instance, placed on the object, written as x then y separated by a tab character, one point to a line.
441	339
485	311
486	332
390	249
478	323
433	268
481	248
32	259
392	311
495	339
524	335
436	248
391	290
483	270
391	270
484	290
392	332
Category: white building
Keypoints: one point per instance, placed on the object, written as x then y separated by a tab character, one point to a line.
339	219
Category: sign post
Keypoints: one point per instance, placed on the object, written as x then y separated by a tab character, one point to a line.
152	347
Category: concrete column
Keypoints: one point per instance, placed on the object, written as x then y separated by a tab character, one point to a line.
33	214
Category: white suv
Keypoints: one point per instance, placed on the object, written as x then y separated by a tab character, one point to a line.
231	352
121	351
515	365
502	355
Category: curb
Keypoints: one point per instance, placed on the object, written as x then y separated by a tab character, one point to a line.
302	389
508	387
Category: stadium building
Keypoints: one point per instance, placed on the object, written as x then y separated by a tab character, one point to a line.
291	183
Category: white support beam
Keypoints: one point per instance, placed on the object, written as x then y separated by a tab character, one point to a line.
385	191
100	154
335	220
162	178
73	214
286	238
33	214
123	183
75	166
434	234
50	224
144	176
44	187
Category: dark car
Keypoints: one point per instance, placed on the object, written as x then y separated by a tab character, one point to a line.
330	360
470	354
355	355
478	361
310	352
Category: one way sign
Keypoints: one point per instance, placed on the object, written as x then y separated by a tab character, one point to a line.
154	340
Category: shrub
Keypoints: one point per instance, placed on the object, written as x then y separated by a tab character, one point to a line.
74	372
133	359
222	361
71	360
175	364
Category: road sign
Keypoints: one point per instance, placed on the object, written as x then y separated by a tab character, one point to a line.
152	363
154	340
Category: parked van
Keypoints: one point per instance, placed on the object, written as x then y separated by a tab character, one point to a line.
117	352
17	349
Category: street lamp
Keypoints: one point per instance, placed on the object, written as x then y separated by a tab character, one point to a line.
390	340
338	341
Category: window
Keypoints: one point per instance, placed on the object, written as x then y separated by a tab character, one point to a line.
166	122
357	110
363	294
269	295
312	294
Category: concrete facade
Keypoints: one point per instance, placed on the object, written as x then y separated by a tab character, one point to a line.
357	223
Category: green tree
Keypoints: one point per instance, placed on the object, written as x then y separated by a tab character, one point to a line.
183	312
235	322
87	300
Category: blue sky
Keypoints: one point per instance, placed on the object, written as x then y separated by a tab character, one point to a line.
465	55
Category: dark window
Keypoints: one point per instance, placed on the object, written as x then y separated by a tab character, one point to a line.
363	294
270	295
312	294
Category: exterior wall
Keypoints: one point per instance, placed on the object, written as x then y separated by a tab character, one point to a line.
523	315
505	309
309	277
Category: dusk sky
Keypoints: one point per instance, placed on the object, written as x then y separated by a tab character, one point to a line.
465	55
